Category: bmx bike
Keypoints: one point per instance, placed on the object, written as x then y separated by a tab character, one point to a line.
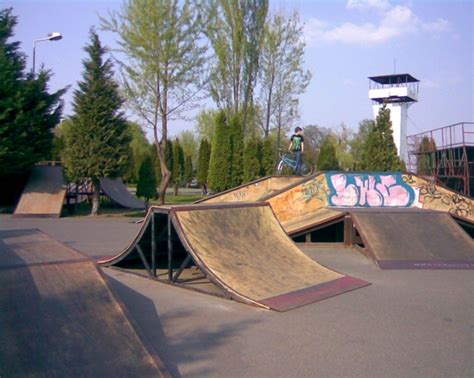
286	161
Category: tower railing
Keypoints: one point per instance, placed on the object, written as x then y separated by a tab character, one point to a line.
446	155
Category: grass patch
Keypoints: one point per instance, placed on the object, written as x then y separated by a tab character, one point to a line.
182	199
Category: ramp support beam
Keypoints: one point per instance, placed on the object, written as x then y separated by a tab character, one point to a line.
153	244
142	256
348	231
182	267
170	251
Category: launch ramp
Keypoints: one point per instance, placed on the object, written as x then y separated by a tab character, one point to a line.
242	249
44	193
116	190
414	239
59	317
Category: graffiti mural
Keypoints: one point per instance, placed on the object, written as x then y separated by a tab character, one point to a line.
314	189
369	190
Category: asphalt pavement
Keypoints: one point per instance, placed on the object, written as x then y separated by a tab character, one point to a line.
408	323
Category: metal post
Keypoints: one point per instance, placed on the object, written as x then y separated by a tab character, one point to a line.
170	251
153	244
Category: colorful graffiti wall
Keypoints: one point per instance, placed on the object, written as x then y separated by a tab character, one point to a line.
369	190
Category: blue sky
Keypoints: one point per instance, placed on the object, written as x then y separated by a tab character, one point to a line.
347	41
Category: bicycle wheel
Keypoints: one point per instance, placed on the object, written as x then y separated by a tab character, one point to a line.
306	170
279	168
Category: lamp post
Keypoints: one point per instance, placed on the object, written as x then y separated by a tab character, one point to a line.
55	36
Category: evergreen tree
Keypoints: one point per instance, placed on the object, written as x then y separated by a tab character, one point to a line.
97	145
188	169
327	159
146	187
236	131
220	164
28	113
139	150
169	155
251	162
268	157
203	164
426	157
380	152
178	166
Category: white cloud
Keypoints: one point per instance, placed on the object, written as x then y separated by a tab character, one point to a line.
395	21
367	4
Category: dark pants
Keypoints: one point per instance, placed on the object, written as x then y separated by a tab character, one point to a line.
297	158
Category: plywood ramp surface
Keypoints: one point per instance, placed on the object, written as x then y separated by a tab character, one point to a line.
116	190
59	318
43	194
415	239
308	221
254	190
246	251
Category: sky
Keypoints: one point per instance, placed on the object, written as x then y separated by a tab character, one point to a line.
346	42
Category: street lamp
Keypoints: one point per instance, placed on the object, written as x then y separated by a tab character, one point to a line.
54	36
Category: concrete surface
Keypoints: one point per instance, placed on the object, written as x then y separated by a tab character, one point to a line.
406	324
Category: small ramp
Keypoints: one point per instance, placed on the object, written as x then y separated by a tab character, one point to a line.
116	190
44	193
58	316
414	239
242	249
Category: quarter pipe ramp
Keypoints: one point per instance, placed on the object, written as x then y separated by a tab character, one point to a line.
60	318
44	193
241	248
420	239
116	190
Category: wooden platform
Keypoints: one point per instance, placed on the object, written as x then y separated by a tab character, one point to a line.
44	193
59	317
414	239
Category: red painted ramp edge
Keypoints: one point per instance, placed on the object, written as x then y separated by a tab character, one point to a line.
425	264
302	297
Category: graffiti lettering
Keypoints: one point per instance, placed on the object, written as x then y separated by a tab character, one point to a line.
314	189
369	190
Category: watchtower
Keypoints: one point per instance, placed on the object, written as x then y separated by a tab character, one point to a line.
397	92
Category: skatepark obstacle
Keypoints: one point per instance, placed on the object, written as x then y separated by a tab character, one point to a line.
59	316
240	248
45	193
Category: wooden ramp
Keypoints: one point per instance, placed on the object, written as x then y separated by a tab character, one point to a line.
115	189
242	249
58	316
44	193
255	190
413	239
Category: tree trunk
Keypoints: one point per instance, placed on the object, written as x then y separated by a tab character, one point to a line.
176	189
95	196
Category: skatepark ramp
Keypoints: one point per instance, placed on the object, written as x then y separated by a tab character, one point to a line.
240	248
115	189
413	239
44	193
59	316
253	191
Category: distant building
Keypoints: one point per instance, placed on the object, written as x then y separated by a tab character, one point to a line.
397	92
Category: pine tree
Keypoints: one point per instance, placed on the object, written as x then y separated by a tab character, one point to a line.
251	163
236	131
220	164
28	113
327	159
203	164
178	166
156	163
146	187
97	145
188	169
268	157
380	152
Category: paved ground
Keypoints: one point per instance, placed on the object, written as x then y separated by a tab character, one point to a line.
406	324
